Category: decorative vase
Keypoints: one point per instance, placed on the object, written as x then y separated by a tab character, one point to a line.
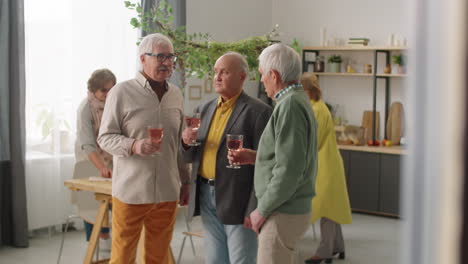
335	67
398	69
388	69
367	68
401	69
319	65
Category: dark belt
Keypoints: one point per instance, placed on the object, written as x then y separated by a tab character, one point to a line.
207	181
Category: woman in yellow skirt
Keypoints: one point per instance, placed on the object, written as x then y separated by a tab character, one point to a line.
331	203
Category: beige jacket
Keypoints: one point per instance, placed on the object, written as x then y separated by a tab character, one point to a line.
130	107
85	137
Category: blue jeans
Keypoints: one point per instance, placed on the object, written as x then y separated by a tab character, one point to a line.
89	230
224	244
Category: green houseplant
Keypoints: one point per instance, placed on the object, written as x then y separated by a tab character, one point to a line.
335	63
197	52
400	61
55	129
48	122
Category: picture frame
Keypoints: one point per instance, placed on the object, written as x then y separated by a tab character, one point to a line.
208	85
195	92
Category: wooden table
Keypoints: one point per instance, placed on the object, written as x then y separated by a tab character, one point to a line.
103	193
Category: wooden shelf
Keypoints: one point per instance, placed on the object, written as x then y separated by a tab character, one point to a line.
357	74
391	75
395	150
354	210
354	48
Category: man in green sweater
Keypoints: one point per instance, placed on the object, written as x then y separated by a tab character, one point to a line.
286	160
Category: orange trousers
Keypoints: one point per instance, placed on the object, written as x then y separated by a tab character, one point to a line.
127	223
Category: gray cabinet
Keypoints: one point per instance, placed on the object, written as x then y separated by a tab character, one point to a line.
373	181
390	183
364	181
345	155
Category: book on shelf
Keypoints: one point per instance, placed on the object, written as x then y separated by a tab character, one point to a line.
358	41
363	39
357	44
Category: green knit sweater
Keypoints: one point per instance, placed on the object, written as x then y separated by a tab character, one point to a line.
286	163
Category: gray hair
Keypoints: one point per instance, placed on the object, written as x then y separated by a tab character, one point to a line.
153	40
99	78
283	59
242	61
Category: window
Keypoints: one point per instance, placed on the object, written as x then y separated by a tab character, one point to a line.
66	41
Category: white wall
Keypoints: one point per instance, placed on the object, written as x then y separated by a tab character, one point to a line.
302	19
226	21
375	19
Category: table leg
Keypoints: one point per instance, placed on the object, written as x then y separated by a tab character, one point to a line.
171	256
102	213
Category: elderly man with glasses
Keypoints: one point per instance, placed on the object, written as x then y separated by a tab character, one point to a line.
149	176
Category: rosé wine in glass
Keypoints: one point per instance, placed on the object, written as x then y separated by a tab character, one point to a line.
156	133
194	123
234	142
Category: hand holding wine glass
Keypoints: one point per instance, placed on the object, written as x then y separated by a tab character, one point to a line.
234	142
242	156
155	133
193	124
144	147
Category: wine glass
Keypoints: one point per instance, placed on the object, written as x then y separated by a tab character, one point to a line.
234	142
156	133
194	123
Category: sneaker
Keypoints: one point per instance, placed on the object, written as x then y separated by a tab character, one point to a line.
105	244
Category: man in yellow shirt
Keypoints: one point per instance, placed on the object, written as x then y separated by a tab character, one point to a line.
224	197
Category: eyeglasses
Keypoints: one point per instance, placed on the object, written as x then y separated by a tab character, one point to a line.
104	90
161	57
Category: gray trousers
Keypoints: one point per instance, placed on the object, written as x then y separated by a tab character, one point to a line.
331	238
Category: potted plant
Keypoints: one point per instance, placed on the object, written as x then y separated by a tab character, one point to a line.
335	63
399	61
50	124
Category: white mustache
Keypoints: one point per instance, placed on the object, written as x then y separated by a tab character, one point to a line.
163	68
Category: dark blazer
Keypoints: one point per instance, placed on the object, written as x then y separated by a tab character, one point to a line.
235	196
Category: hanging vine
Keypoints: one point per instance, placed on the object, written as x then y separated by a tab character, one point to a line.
197	52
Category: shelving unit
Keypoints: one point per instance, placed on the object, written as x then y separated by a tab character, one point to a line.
353	48
376	50
372	173
391	75
343	74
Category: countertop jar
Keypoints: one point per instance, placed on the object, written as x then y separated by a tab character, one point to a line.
368	68
319	65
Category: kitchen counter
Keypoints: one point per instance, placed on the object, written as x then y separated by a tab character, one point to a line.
395	150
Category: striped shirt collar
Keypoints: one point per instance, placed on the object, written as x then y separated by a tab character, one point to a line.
287	89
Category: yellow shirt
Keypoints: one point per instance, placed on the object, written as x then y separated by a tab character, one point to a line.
218	124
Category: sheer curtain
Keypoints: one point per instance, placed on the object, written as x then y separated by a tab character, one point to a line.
66	41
